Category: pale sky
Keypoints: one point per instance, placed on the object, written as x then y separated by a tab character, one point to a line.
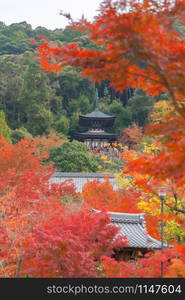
46	12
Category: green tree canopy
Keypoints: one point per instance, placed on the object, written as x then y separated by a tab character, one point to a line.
19	134
4	129
140	106
74	157
62	125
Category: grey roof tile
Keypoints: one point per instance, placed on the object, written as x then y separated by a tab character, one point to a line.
132	226
97	114
79	179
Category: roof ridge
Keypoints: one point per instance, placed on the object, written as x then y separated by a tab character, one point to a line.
135	218
133	226
120	215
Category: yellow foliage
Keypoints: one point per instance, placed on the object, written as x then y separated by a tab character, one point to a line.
161	109
108	161
176	268
149	148
123	181
173	228
103	157
150	206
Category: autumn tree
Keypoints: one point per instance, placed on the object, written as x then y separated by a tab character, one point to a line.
139	47
138	39
26	199
135	38
70	245
143	171
46	143
39	237
131	136
149	266
160	110
100	195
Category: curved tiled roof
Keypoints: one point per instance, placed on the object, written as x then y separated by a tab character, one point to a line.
97	133
133	227
97	114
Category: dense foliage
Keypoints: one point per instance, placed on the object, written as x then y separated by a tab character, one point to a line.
37	102
73	157
42	238
39	235
141	40
4	129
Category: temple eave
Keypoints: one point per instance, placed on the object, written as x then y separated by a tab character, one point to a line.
87	135
108	122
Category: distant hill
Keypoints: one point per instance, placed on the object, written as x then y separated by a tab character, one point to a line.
14	39
35	101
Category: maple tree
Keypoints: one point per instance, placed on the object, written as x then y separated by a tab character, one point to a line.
102	196
166	165
70	245
26	199
46	143
131	136
33	225
160	110
128	199
20	157
39	236
145	173
149	266
139	39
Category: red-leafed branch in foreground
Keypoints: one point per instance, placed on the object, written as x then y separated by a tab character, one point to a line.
138	47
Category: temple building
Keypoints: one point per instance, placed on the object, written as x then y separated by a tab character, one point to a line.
132	225
97	121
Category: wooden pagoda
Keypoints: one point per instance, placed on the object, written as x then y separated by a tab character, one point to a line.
97	121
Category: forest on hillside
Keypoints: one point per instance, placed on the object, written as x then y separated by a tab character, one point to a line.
36	102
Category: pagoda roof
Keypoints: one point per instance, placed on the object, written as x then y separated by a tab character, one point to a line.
97	114
95	135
